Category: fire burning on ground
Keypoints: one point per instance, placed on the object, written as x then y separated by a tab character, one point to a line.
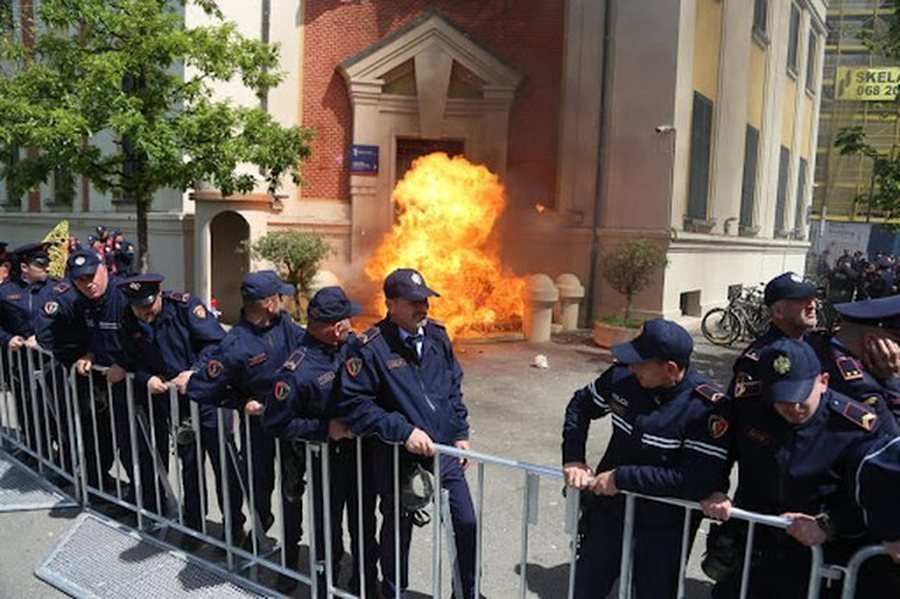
446	212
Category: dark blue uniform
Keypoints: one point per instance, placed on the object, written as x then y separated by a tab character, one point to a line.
812	468
670	442
180	334
61	327
20	303
387	389
241	368
299	407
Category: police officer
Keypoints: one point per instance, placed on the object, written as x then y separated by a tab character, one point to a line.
670	438
168	334
21	298
402	383
302	407
98	309
816	457
239	373
5	262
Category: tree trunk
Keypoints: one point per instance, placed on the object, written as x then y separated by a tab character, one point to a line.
142	247
627	309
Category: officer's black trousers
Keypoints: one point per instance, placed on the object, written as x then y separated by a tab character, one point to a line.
195	488
656	547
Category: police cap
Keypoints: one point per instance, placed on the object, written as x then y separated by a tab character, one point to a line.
142	289
660	340
33	253
788	285
788	369
331	304
264	283
408	284
82	262
880	312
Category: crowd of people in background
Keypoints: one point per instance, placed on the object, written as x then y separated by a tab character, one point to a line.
858	276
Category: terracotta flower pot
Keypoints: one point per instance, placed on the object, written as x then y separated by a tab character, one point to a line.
607	335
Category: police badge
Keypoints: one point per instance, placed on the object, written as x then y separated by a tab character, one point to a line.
354	366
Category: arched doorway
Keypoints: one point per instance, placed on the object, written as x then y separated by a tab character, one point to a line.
228	230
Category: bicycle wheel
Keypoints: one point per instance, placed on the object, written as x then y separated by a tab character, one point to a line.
721	326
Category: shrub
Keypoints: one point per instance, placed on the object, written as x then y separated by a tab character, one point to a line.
296	255
629	267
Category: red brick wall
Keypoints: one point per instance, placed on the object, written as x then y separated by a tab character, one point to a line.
526	33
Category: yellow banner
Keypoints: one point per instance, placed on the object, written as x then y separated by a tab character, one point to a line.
876	84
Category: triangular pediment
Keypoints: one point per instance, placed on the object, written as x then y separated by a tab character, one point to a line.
431	41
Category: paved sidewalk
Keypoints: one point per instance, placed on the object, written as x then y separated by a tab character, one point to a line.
516	412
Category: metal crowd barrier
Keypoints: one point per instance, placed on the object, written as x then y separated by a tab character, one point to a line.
45	415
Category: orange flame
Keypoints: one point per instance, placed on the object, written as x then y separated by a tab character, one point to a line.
447	208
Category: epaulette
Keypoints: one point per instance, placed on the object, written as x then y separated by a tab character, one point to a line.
179	297
855	412
751	355
62	287
366	337
849	367
295	359
709	392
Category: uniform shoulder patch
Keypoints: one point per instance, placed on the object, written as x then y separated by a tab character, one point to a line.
62	287
718	426
369	335
214	368
745	386
849	368
294	360
709	392
51	308
281	390
354	366
199	311
857	413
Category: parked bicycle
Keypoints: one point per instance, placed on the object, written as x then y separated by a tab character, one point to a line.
746	316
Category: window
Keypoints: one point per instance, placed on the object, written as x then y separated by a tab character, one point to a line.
800	210
748	187
781	198
759	17
812	52
793	39
63	187
701	136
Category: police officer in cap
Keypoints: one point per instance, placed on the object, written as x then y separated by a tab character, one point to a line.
818	458
171	333
303	407
21	299
402	383
670	438
239	373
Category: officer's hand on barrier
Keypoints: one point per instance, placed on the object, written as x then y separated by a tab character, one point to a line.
881	356
337	430
181	380
577	474
805	529
605	483
83	364
156	385
717	506
893	549
115	373
16	342
463	444
254	408
31	342
419	442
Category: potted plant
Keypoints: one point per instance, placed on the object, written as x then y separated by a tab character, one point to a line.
628	269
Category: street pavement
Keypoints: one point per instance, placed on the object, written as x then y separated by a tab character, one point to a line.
516	412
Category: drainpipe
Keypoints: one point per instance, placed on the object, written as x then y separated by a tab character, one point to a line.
609	15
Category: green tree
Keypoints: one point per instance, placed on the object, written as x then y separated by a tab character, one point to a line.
119	91
295	254
628	268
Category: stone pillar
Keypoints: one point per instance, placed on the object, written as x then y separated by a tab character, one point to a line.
570	293
540	296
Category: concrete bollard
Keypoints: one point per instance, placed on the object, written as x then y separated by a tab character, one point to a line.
540	296
570	294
